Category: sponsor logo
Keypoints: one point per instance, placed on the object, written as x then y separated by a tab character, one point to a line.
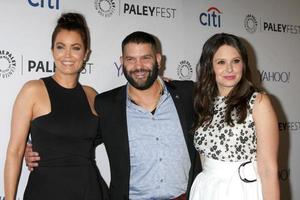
51	4
87	69
289	126
119	68
7	64
283	77
284	174
281	28
38	66
212	17
145	10
105	8
251	25
184	70
44	66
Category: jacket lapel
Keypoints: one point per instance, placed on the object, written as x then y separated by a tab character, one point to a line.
122	137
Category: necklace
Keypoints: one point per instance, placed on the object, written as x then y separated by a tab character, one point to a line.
150	106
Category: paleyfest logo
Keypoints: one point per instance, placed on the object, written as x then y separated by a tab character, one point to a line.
289	126
45	66
7	64
184	70
105	8
150	11
251	25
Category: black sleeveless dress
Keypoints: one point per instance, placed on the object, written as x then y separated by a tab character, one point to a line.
65	139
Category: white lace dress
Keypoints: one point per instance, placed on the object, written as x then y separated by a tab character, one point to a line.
228	156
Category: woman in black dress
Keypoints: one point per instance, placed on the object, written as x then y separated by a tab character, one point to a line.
59	114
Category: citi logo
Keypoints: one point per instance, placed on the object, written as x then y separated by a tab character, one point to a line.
212	17
51	4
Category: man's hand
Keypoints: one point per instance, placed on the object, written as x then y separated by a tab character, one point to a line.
166	79
31	157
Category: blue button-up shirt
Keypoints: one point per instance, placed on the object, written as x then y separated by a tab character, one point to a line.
159	159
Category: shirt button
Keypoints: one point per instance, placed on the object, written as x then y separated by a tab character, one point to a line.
157	139
161	180
160	159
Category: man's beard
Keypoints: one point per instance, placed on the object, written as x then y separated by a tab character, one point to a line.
152	76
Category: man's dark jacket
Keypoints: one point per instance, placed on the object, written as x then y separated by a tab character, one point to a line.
111	107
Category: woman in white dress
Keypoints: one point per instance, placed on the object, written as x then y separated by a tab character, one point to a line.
237	133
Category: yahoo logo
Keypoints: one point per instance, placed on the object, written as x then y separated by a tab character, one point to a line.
119	68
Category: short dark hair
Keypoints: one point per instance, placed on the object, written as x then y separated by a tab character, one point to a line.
139	37
72	22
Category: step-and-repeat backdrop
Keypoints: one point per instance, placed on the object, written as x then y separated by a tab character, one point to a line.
270	28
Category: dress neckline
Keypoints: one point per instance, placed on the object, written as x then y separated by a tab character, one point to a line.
62	87
220	98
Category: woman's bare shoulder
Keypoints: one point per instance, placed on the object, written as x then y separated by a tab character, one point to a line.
90	91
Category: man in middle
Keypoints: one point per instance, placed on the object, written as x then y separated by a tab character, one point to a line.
145	126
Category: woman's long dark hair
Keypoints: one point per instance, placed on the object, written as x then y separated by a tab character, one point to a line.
206	89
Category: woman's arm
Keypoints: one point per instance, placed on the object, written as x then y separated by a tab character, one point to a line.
91	94
20	124
267	146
